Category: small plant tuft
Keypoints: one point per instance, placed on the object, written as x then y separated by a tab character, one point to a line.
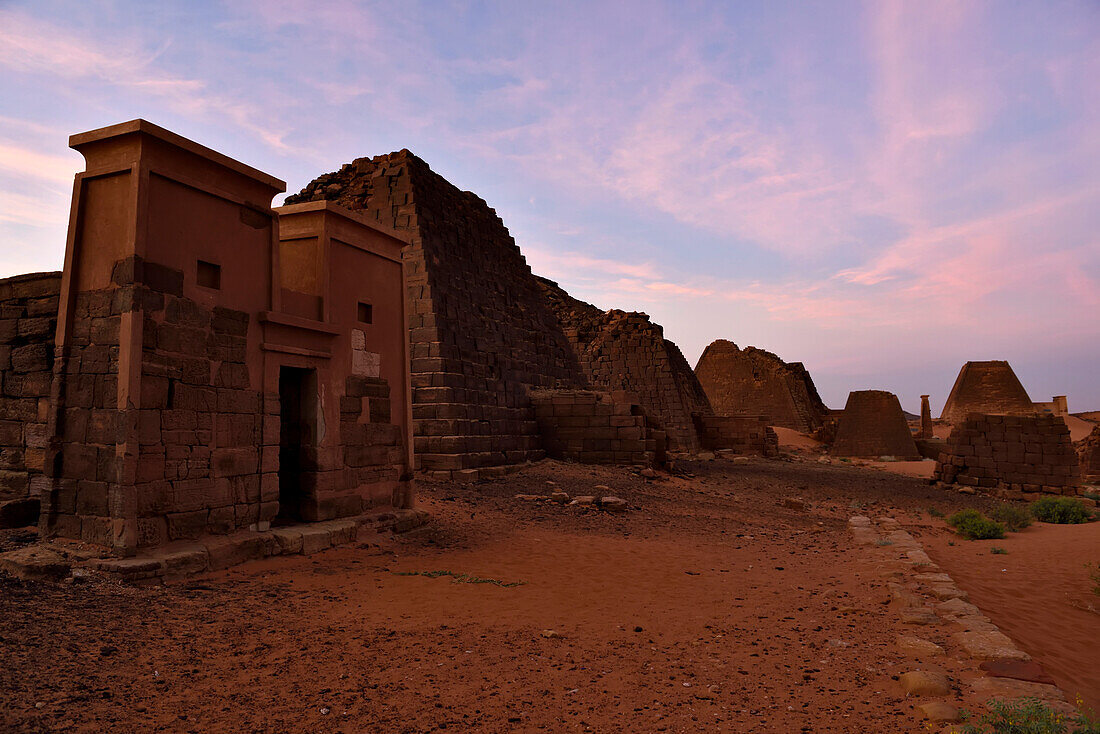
1060	510
460	578
997	550
1011	516
934	512
1094	574
884	541
1028	716
975	526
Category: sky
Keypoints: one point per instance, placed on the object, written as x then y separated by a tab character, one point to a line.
880	190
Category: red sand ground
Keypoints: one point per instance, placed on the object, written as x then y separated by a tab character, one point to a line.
1039	594
709	606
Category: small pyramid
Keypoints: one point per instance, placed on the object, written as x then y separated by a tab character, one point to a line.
986	387
873	425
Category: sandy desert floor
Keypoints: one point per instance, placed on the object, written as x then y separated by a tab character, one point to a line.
715	604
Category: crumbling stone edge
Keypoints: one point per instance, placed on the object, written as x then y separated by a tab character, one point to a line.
926	597
213	553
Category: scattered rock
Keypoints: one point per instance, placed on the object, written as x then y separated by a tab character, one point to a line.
705	456
552	634
33	562
583	500
939	711
948	592
601	489
919	616
924	683
613	504
985	689
560	497
1026	670
530	497
648	473
991	645
794	503
918	646
740	460
957	608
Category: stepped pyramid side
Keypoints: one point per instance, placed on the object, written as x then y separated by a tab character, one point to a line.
621	350
481	334
873	425
753	381
986	387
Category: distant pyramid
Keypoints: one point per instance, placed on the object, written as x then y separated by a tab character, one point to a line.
873	425
986	387
621	350
751	381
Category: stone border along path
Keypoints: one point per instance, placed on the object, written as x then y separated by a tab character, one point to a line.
71	561
928	597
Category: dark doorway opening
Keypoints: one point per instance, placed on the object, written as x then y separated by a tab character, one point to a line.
297	439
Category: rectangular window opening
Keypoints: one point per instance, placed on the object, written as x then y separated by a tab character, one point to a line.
209	275
366	313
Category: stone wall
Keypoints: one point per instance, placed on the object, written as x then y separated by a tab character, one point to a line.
1016	454
1088	455
596	428
741	434
874	425
482	335
753	382
28	320
625	351
986	387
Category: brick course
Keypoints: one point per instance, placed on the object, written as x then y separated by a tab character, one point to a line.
597	428
740	434
28	320
1013	453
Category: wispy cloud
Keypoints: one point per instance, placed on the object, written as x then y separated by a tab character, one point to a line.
821	182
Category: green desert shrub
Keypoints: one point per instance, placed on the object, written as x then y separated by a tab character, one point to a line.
1011	516
1060	510
1029	716
976	526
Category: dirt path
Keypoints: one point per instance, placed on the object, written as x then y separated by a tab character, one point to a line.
715	604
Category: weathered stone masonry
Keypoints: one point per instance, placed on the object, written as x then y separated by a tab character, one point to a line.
752	381
199	387
481	334
28	320
986	387
1013	453
597	428
874	425
625	351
